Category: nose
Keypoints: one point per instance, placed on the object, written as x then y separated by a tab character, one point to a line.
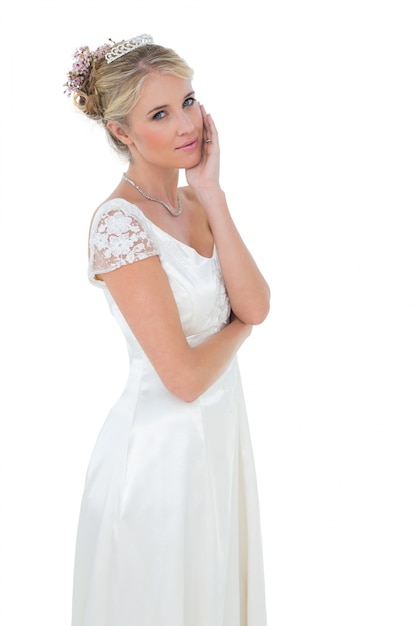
185	123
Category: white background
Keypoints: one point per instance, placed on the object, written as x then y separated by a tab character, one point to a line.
315	103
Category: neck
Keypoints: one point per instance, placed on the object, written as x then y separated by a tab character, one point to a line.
159	183
170	207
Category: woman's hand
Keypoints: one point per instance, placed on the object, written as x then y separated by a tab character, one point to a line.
205	175
246	287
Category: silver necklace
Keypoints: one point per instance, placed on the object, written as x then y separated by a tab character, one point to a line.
164	204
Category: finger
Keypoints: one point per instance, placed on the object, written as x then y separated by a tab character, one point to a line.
207	122
212	130
211	124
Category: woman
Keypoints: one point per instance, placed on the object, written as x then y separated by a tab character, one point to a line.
169	531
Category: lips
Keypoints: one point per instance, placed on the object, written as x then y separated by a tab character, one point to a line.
189	145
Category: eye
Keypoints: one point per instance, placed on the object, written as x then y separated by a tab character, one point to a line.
159	115
188	102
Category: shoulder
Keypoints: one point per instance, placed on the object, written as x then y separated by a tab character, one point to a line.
118	236
117	217
188	194
115	206
194	207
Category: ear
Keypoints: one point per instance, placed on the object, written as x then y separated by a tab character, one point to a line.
119	132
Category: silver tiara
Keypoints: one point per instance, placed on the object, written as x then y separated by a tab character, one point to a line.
127	46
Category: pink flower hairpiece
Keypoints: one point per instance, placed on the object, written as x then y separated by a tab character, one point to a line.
83	61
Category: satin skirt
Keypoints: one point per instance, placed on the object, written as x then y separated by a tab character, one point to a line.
169	529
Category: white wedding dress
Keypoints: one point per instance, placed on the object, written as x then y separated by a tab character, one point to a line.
169	531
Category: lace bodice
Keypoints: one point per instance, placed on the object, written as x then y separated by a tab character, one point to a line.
121	234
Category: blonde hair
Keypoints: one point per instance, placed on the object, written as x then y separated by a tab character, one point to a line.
111	90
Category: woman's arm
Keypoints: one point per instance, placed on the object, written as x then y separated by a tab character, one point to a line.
247	289
142	292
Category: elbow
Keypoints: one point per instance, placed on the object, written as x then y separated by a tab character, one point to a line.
257	312
187	389
263	308
260	315
185	393
185	375
189	397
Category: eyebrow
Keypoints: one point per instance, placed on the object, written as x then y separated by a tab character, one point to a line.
164	106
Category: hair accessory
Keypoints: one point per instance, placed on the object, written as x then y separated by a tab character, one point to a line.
83	61
127	46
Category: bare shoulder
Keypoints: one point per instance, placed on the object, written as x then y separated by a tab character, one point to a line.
188	193
190	200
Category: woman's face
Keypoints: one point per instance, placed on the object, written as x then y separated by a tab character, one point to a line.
166	125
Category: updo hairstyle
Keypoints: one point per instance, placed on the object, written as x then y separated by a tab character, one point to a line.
111	90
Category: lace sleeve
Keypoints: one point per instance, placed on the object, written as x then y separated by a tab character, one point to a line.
118	236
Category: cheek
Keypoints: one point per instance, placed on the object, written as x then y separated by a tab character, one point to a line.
151	138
